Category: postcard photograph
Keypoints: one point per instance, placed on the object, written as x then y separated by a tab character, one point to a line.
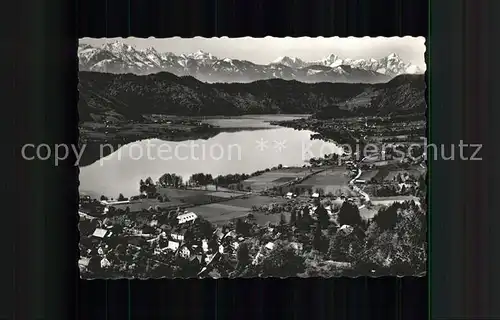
252	157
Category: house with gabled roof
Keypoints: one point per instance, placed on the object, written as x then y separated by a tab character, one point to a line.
186	217
178	234
101	233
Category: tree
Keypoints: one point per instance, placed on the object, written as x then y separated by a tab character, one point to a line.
104	198
322	216
400	251
201	229
142	186
165	179
299	216
280	190
318	240
147	186
320	191
349	215
121	197
306	219
170	179
242	256
283	261
386	218
94	265
282	219
403	189
305	212
293	217
213	245
242	227
345	247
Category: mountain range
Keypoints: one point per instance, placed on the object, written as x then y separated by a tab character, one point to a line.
121	58
129	96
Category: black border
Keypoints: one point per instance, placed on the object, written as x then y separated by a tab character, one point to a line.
41	279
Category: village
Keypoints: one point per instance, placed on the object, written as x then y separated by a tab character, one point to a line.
240	225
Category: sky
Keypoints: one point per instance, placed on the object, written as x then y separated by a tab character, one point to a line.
268	49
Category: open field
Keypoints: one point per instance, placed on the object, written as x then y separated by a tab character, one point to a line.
262	218
368	174
255	201
196	197
330	180
387	201
145	204
222	194
415	171
277	177
220	213
381	174
388	173
184	195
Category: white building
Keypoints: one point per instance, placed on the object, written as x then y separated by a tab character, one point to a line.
185	252
269	246
186	217
105	263
179	236
290	195
100	233
172	245
347	229
204	245
296	246
315	195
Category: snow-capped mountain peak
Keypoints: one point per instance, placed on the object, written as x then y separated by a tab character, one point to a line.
393	56
118	47
119	57
201	55
292	62
151	50
332	60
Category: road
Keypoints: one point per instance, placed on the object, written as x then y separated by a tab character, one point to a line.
356	188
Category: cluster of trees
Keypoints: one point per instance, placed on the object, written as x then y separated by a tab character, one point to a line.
393	242
328	160
201	179
229	179
148	187
170	180
393	190
401	150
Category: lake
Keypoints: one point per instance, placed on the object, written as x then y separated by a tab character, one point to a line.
257	146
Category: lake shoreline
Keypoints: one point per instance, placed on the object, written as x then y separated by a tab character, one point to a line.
238	144
101	138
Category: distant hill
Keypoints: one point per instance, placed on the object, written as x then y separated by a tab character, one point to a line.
129	96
